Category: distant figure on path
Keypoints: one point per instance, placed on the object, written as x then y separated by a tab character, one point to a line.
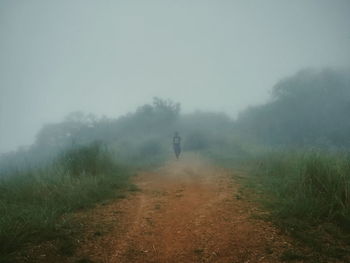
177	144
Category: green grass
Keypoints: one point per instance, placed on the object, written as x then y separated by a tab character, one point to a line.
312	186
35	204
291	255
306	191
309	196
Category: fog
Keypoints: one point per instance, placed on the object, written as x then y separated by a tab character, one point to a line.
109	57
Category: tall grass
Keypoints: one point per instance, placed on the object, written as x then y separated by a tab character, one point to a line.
33	203
314	186
309	197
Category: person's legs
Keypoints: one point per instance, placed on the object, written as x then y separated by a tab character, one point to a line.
177	150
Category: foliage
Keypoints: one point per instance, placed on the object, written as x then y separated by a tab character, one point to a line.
196	141
308	194
310	108
310	185
34	203
149	122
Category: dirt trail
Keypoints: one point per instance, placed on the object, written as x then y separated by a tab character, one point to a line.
186	211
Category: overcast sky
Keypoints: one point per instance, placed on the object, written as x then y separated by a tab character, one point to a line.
108	57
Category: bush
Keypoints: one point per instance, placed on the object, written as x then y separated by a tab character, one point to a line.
196	141
151	148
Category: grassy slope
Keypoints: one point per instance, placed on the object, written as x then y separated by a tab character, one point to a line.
309	197
35	204
308	194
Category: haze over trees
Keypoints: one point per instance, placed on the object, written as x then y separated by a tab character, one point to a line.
310	108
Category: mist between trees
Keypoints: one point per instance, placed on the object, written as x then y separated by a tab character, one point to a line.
307	110
295	145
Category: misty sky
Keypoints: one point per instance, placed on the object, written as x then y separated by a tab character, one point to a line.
108	57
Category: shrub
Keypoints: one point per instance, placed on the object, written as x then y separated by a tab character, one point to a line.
196	141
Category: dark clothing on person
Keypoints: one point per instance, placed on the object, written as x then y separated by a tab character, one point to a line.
177	139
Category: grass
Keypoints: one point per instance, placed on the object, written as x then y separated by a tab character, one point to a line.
306	191
312	186
291	255
35	204
309	196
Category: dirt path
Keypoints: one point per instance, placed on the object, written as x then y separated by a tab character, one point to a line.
186	211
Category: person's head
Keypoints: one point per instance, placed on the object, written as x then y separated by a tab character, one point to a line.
176	133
